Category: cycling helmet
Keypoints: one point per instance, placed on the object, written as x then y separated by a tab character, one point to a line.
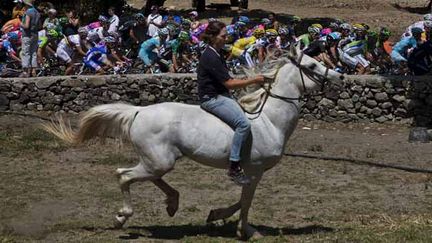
334	36
284	31
428	24
319	26
82	30
244	19
186	22
271	33
102	19
52	11
416	31
325	31
346	26
359	27
258	32
53	33
427	17
384	32
183	36
296	19
194	13
240	24
372	34
314	30
334	26
163	32
12	36
109	39
139	16
212	20
265	21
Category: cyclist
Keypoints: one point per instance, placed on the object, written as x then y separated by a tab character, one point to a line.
402	49
147	50
66	48
352	53
312	35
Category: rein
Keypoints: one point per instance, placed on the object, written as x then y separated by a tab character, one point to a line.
315	77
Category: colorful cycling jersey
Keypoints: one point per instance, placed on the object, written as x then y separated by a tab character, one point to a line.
95	53
259	43
355	47
404	45
305	40
197	32
68	42
151	44
242	44
42	39
7	47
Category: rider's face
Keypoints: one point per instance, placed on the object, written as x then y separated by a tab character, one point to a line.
220	39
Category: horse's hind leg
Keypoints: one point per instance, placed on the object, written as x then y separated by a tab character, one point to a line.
126	177
172	194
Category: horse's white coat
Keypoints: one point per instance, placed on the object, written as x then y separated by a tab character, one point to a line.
162	133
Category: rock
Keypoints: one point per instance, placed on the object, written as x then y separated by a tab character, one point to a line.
357	88
310	104
364	109
386	105
399	98
16	106
381	119
344	95
72	83
329	104
400	112
345	104
39	107
31	106
17	87
371	103
355	98
374	83
308	117
376	111
369	95
4	102
380	97
363	99
95	82
45	82
152	98
115	96
333	113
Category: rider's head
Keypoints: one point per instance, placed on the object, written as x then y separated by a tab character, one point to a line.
384	34
417	33
215	34
163	33
271	34
139	17
109	41
334	38
314	31
345	29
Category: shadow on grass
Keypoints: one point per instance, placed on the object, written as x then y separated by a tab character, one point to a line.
228	230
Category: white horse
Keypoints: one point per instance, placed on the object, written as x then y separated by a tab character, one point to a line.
162	133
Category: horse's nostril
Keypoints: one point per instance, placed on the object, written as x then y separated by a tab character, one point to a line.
342	77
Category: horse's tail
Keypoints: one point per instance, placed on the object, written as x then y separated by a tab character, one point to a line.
100	121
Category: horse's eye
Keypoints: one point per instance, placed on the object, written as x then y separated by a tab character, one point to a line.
312	66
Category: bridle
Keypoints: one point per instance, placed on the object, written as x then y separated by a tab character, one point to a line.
320	79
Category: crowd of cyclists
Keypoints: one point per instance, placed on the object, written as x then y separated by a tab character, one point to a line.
171	43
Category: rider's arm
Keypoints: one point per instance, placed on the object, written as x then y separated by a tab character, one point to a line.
241	83
116	56
80	50
133	36
14	57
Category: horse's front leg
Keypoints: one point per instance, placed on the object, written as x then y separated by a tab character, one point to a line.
223	213
244	230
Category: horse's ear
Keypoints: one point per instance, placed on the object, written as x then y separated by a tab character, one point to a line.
298	48
293	50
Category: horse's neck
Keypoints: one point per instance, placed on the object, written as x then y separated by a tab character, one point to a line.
281	113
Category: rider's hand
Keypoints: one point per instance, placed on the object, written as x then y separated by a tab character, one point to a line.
259	79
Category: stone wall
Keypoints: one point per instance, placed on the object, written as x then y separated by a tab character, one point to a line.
363	98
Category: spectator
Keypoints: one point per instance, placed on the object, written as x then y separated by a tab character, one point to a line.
72	25
274	23
154	21
170	18
114	21
19	9
52	19
193	16
29	28
11	25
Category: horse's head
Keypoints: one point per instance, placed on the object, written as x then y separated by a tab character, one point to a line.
311	74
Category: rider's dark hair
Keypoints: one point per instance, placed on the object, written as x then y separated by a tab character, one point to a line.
213	29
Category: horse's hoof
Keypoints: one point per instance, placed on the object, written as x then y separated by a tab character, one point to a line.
119	221
173	205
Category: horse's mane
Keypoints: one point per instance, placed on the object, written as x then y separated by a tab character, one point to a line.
269	69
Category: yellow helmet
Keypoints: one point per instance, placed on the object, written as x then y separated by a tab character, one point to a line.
319	26
271	32
258	32
359	27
